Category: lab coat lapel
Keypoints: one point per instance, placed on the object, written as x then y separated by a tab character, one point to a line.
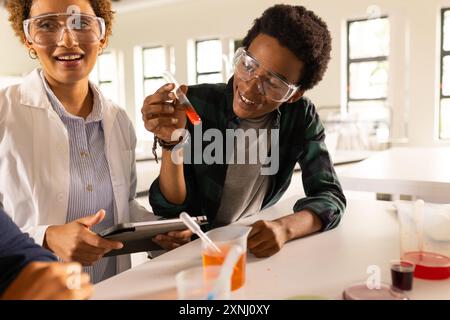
32	92
50	152
109	123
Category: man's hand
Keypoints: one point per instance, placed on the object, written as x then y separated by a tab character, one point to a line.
75	242
162	117
266	238
173	239
50	281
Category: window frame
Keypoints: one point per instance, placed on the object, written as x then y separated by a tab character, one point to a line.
115	81
100	81
144	77
443	54
199	74
145	139
237	43
350	61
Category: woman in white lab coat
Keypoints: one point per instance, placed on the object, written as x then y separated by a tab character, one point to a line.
67	161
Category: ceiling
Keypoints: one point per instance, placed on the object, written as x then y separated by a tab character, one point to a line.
131	5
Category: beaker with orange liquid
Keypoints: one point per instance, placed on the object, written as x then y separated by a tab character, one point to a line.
224	238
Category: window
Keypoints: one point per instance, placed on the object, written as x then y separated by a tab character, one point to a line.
444	110
151	62
105	75
233	45
154	63
367	73
208	61
237	44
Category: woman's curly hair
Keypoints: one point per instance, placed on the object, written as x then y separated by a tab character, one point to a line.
302	32
19	10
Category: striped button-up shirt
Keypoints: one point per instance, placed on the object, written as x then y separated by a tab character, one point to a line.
90	181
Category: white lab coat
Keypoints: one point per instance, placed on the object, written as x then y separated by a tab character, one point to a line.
34	161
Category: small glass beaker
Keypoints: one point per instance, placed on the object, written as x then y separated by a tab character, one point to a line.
402	274
197	283
224	238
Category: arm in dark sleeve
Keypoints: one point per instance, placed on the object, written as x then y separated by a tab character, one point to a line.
17	249
320	182
162	207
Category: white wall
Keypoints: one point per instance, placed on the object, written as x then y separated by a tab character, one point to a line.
413	60
14	60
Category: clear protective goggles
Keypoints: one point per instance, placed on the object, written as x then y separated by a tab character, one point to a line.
49	29
271	85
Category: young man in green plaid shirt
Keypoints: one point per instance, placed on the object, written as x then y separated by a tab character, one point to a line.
285	53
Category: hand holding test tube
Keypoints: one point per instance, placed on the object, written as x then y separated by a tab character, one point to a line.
192	115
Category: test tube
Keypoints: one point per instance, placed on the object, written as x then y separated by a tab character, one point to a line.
192	115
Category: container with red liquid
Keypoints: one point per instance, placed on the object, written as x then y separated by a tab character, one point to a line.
192	115
402	272
425	238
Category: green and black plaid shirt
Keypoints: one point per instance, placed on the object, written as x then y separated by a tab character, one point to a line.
301	140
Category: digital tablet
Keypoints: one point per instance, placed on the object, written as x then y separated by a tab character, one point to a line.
137	237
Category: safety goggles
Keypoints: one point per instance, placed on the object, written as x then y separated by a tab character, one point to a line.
49	29
271	85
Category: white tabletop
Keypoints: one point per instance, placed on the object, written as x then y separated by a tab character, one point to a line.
323	264
423	172
350	156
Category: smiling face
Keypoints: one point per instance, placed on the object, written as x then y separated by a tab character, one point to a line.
66	61
248	100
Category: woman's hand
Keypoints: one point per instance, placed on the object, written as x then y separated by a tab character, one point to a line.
75	242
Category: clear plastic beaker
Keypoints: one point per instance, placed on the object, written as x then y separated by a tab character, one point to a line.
224	238
196	284
425	238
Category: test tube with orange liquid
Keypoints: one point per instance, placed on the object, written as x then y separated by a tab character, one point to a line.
192	115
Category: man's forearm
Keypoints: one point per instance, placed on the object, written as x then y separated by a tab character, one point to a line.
300	224
171	178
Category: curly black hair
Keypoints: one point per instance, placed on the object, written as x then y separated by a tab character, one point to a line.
302	32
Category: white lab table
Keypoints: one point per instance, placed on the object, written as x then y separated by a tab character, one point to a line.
323	264
417	172
341	157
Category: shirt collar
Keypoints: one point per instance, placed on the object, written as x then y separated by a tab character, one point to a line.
97	109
